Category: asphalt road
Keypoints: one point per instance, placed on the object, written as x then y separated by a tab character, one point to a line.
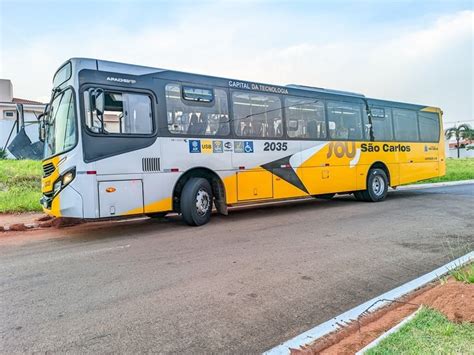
241	284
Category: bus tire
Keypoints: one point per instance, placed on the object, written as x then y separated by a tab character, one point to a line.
196	202
377	187
324	196
359	195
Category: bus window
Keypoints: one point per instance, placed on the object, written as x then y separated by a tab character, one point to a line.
124	113
405	124
382	123
429	126
305	118
197	111
257	115
345	120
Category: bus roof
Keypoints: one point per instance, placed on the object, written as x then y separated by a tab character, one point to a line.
134	69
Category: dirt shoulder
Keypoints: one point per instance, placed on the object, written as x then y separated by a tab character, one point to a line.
452	298
20	222
25	217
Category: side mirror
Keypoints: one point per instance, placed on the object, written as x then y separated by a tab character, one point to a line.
97	100
292	125
42	127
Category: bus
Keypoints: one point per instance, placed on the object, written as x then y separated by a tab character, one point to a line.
124	140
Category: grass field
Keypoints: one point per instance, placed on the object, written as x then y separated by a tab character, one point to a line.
456	169
430	332
20	182
20	185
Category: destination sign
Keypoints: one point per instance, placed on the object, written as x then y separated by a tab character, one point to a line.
259	87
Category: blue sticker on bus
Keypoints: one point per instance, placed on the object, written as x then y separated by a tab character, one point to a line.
248	146
194	146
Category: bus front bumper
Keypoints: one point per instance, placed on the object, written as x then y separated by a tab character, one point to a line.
66	203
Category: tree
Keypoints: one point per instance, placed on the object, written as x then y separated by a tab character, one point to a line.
462	131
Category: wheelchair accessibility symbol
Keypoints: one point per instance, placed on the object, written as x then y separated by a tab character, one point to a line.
248	146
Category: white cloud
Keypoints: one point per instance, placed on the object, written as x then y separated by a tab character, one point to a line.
429	63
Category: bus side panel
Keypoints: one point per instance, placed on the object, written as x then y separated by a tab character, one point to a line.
230	184
420	163
330	169
441	147
158	189
254	185
283	189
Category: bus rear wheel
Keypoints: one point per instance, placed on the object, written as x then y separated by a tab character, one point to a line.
377	187
196	202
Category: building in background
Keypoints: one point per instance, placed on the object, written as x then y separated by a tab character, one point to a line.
12	120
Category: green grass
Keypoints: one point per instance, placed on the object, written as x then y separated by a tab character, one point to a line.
20	185
430	332
456	169
465	274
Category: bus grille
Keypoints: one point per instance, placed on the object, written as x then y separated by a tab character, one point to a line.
48	169
151	164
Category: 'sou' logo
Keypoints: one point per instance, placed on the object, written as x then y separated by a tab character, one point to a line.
340	149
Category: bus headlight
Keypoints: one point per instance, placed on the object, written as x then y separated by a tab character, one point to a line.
68	177
57	186
64	180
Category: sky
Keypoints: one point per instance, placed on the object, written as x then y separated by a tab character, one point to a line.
411	51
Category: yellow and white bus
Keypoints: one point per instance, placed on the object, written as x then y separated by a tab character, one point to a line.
125	140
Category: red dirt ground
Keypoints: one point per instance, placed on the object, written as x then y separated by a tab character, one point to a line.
16	218
454	299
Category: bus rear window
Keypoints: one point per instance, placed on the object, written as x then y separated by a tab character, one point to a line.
429	126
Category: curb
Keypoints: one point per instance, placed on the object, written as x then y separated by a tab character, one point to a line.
434	184
375	303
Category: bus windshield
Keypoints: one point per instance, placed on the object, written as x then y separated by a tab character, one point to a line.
61	129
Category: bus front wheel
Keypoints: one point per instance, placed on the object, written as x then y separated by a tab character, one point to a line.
377	187
196	202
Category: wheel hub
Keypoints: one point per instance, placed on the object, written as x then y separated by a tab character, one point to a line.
378	185
203	202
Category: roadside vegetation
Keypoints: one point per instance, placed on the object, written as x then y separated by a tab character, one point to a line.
20	185
456	169
465	275
430	332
